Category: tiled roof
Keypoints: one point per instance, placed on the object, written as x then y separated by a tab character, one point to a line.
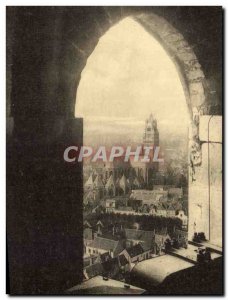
135	250
104	243
94	270
146	246
148	195
110	236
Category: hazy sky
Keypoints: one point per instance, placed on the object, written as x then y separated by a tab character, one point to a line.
128	76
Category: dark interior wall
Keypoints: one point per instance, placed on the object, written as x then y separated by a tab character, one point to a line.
44	194
47	48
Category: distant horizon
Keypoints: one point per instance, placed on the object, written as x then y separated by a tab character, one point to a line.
121	86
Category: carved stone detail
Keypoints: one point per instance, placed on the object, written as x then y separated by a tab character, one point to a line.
195	153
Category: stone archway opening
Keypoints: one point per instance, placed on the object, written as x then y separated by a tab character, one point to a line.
197	94
131	74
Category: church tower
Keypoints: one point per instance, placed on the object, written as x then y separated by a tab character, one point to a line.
151	134
151	138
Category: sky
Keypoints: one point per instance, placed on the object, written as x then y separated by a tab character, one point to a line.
127	77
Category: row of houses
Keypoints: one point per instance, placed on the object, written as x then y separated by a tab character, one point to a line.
111	264
112	268
111	256
157	194
97	186
165	209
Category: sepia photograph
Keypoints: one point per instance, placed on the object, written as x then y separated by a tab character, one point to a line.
114	150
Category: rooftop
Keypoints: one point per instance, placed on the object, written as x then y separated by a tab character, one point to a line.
135	250
97	286
94	270
157	269
104	243
148	195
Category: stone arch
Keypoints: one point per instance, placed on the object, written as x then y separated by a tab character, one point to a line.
192	77
182	54
194	83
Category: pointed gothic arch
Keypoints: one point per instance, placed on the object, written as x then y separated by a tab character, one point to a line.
194	83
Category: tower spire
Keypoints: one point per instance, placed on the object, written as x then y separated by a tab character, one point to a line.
151	134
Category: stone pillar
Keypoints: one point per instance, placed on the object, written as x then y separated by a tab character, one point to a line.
205	187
